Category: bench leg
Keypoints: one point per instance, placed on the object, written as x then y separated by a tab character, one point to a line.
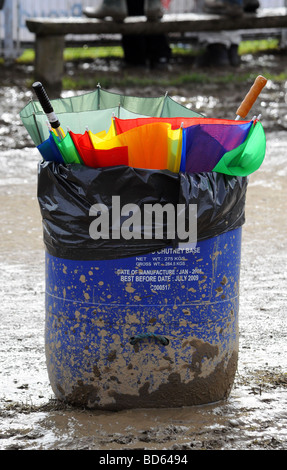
49	62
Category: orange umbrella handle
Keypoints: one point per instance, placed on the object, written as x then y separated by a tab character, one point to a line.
251	96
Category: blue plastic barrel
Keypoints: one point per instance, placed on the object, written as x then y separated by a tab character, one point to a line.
156	330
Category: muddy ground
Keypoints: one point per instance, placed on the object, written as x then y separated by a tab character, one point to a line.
254	417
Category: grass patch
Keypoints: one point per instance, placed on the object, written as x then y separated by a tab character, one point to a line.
180	80
133	77
258	45
87	52
77	54
27	57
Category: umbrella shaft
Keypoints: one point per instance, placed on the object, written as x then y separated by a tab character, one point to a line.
60	133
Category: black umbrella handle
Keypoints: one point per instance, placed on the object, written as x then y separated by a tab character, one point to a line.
46	104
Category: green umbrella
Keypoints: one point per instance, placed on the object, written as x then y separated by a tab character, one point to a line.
95	110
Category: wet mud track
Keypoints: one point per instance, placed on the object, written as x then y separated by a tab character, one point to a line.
254	417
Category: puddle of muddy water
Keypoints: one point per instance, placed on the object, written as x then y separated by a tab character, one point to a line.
254	416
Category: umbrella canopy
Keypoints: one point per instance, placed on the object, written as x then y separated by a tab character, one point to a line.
247	157
154	146
108	129
123	125
98	157
203	141
67	149
203	145
50	151
95	110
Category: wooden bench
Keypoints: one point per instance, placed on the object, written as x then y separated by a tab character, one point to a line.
51	32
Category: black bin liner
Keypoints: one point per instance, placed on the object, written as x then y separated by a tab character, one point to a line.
66	194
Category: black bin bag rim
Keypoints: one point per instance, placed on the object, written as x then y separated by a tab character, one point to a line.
67	192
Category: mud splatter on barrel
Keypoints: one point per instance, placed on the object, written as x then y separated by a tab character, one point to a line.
155	330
